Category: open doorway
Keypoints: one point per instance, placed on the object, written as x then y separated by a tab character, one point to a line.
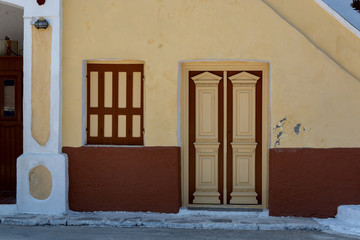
11	92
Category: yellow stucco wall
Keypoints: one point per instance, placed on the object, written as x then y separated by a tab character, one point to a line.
40	84
307	87
323	29
40	182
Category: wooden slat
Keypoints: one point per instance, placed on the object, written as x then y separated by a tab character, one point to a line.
192	151
129	103
258	136
221	135
229	168
3	152
115	101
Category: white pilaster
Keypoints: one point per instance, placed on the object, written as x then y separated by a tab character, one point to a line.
50	155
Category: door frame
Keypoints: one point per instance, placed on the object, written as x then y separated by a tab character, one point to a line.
185	67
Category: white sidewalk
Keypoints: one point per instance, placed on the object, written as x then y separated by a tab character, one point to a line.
186	219
346	221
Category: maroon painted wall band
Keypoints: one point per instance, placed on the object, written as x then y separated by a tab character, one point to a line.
308	182
303	182
124	179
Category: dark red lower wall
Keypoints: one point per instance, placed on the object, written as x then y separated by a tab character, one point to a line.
124	179
313	182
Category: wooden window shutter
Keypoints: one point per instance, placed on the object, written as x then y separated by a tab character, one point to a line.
115	104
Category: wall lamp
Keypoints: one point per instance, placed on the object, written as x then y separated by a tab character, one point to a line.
41	23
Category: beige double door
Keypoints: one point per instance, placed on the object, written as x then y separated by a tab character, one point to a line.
225	137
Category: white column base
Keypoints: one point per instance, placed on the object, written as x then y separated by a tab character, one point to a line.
207	197
243	198
57	202
8	209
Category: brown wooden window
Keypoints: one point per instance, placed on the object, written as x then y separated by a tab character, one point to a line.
115	104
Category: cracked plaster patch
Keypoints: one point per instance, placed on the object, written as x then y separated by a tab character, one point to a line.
286	129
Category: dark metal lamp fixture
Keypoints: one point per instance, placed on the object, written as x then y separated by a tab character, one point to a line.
41	2
41	23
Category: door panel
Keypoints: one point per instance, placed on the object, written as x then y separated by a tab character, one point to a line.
207	137
206	134
243	142
243	134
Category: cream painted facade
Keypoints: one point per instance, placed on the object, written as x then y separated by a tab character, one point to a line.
309	86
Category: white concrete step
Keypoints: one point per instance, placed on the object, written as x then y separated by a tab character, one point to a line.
186	219
349	214
7	209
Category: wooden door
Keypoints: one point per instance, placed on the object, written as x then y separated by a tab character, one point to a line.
225	166
11	128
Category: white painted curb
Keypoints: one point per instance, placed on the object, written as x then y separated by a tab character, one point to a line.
349	214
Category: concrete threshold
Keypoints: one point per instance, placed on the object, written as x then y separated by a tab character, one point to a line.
221	209
185	219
